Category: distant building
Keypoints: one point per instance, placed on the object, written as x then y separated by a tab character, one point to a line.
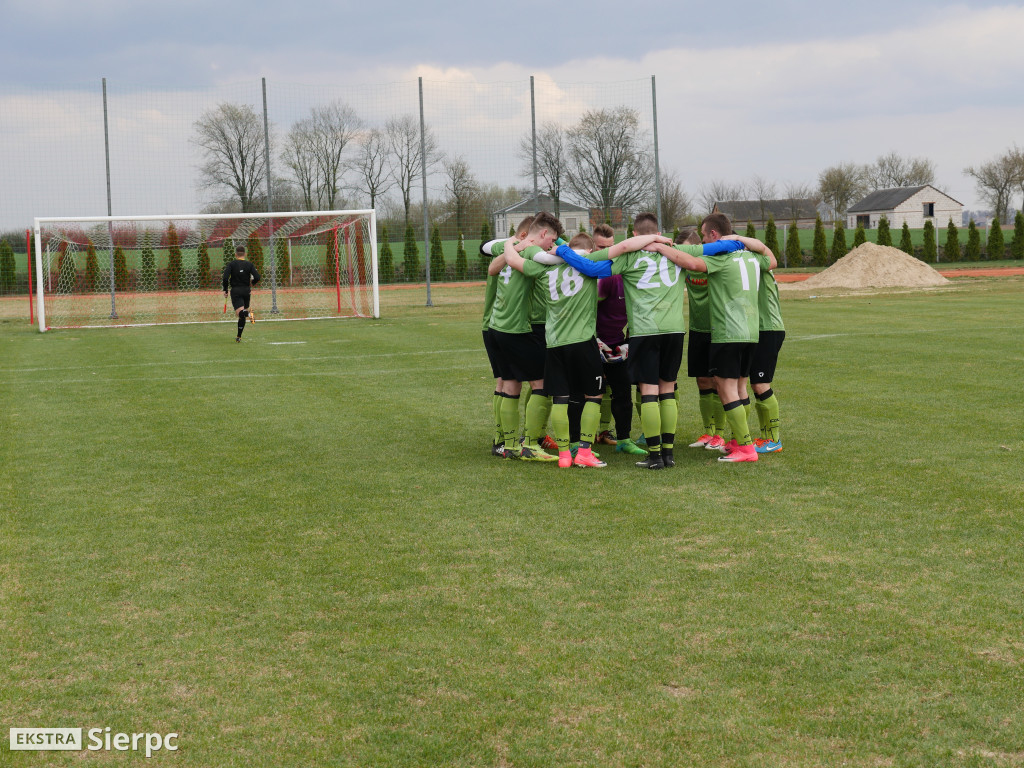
913	205
803	210
569	214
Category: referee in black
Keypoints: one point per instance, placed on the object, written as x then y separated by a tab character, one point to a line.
240	275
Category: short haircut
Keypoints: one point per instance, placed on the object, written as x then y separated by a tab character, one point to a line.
718	222
688	236
524	225
604	230
582	241
545	220
645	224
239	249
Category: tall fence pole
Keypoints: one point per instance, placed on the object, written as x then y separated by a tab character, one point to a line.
533	128
270	207
28	253
110	209
657	167
423	172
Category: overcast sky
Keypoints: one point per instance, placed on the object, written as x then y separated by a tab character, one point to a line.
780	90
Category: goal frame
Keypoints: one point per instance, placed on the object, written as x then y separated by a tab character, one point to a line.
39	221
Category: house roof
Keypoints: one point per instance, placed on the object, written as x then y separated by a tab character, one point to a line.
889	199
744	210
533	204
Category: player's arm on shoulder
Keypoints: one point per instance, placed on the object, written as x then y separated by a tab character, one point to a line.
547	259
680	257
636	243
512	255
584	263
497	264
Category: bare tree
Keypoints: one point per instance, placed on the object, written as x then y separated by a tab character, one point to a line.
840	185
676	204
717	191
997	179
894	170
552	160
762	190
462	187
231	138
609	165
314	151
407	154
371	166
797	194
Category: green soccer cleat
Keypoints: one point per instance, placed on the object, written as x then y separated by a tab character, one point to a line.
628	446
535	453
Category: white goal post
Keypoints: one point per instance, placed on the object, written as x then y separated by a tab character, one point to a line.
116	271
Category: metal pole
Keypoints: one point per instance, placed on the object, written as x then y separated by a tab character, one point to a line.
270	220
657	168
423	171
110	211
533	128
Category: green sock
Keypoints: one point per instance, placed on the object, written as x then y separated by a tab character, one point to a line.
762	418
496	408
560	425
707	412
771	406
590	419
509	421
669	412
719	414
537	411
650	420
737	419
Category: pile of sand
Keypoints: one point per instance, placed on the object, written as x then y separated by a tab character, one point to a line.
875	266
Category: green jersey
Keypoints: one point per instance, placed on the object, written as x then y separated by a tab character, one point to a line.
733	280
511	310
654	291
699	301
489	293
571	300
539	304
769	311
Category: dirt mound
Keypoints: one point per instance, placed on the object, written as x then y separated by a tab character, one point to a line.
875	266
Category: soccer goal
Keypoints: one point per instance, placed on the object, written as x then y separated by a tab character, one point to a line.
113	271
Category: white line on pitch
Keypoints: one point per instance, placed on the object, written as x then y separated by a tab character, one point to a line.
280	343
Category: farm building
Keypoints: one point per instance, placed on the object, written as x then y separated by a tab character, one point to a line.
569	214
913	205
803	210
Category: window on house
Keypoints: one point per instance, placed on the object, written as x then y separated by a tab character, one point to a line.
864	221
929	210
571	224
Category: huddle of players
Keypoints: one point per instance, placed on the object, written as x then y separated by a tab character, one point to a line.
539	326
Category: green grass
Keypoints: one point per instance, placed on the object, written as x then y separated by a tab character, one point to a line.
303	554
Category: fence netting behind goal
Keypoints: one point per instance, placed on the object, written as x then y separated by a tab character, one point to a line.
116	272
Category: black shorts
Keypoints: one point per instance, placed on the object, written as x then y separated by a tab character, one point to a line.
654	358
520	356
698	355
240	297
731	361
766	355
540	331
576	369
492	353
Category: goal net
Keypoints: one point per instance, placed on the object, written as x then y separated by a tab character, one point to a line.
150	270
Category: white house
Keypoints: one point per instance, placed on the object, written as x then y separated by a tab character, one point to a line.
913	205
569	214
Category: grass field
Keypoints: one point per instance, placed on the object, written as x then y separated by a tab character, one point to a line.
298	551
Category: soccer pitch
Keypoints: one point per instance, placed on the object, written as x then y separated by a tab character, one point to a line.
299	551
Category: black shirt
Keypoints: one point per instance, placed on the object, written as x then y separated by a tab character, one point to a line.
239	273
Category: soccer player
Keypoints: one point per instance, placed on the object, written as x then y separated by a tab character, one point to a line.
240	275
490	345
573	360
732	285
772	332
611	337
698	352
654	304
521	353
